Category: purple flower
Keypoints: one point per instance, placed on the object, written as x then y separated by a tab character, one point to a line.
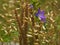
40	15
31	6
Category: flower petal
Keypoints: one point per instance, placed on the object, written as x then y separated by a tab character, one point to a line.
41	15
31	6
39	11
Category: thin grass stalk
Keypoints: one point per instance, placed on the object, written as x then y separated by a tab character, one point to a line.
25	25
19	25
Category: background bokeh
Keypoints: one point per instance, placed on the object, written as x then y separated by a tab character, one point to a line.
38	33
